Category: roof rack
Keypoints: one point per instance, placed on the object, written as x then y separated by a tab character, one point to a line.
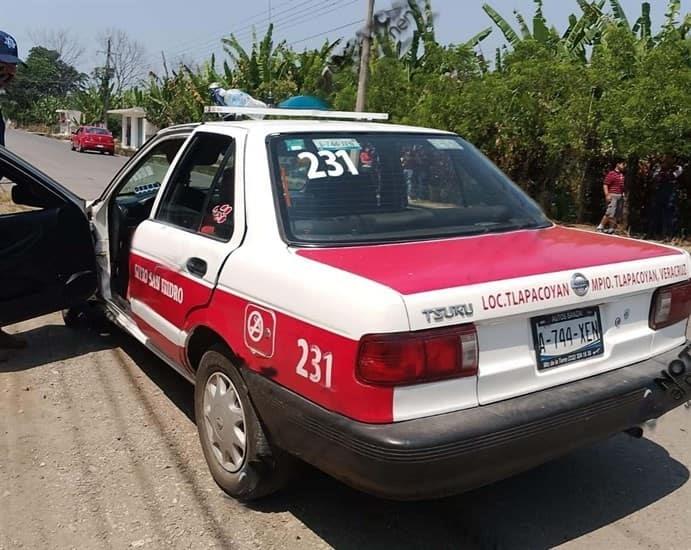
296	113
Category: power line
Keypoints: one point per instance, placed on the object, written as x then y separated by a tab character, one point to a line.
295	23
289	20
195	46
241	22
327	32
297	19
242	29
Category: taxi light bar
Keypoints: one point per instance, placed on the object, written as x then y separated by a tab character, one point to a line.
295	113
417	357
670	305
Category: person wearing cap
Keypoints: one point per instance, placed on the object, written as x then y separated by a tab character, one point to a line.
9	60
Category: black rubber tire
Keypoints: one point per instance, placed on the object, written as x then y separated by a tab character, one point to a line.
265	470
75	317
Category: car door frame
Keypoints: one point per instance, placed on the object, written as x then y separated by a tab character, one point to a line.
17	169
167	331
100	207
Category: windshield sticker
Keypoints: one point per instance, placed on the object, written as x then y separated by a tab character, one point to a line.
335	169
446	144
295	144
336	144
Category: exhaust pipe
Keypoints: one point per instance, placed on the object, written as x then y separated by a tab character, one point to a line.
636	433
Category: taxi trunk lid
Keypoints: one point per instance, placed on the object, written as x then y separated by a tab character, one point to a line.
507	284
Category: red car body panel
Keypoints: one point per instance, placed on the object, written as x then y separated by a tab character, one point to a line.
425	266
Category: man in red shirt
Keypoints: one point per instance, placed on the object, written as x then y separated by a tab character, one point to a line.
614	196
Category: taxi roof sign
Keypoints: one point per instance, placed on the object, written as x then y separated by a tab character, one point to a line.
295	113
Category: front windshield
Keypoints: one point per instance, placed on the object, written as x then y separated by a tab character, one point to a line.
337	188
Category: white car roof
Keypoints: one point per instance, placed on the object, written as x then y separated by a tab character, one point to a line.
268	127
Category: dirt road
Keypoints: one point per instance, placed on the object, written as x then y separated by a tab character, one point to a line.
98	449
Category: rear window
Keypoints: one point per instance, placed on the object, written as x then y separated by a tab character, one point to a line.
99	131
382	187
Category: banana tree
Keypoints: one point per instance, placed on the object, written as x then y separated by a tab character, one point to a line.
585	30
540	31
263	70
311	70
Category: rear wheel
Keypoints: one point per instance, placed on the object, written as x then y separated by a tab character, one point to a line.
237	451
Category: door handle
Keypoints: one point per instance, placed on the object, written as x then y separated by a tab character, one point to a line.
196	266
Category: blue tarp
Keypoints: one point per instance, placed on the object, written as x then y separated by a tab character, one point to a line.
304	102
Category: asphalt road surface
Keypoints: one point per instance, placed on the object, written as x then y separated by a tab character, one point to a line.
87	174
98	449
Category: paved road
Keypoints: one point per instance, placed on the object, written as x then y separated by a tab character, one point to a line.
98	449
87	174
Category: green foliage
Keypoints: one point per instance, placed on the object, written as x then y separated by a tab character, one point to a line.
40	84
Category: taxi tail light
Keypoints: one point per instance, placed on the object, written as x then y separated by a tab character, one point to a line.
671	305
416	357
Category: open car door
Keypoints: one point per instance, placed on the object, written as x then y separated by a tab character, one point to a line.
47	258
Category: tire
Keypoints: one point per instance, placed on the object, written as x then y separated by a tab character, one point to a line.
72	146
75	317
79	148
245	474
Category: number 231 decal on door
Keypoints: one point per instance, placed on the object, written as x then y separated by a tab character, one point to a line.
314	364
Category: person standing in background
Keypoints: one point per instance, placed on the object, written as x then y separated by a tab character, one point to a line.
613	188
8	69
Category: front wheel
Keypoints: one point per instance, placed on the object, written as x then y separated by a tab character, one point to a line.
237	451
75	317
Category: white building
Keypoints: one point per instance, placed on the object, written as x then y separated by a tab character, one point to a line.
68	121
136	130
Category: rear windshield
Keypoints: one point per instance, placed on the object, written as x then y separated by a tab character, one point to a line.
381	187
99	131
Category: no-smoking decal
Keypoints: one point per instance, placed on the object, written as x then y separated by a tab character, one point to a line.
260	330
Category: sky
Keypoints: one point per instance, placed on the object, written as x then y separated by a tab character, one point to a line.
190	30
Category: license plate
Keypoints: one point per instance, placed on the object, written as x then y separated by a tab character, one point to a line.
568	336
100	145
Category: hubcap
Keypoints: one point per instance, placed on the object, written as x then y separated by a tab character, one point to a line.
224	421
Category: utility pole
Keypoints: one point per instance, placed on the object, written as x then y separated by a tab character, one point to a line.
165	63
106	88
364	59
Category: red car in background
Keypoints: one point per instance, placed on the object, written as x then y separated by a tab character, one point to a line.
93	138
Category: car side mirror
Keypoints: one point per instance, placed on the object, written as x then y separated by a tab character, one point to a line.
23	195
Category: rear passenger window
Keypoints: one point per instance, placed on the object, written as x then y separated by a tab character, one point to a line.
200	195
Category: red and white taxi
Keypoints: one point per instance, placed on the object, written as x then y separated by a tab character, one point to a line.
377	300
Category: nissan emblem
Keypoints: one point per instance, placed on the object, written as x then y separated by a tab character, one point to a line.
580	284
